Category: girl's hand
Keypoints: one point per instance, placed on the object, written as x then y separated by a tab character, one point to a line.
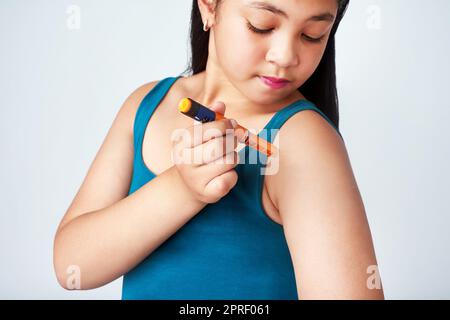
205	158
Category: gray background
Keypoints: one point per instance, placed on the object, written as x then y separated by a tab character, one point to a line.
62	87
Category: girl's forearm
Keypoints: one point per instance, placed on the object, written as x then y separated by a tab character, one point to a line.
104	244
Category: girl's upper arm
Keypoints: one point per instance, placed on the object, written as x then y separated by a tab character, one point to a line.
323	214
108	178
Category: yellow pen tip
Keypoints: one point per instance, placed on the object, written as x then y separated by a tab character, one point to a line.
184	105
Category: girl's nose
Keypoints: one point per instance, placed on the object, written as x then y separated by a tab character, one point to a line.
284	54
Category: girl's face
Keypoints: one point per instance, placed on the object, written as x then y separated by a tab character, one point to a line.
282	39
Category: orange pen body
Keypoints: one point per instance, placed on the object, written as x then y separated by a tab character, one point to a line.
250	139
199	112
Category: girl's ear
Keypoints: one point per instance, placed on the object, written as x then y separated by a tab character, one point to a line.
207	11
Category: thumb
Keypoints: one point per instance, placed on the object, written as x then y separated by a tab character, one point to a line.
219	107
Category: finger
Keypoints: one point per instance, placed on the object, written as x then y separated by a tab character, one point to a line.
219	107
221	165
221	184
202	133
214	149
206	152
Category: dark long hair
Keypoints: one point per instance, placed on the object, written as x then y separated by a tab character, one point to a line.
320	88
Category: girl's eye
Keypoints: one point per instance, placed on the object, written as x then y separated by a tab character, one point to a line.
256	30
262	31
314	40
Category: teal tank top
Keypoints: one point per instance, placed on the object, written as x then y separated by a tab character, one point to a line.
231	249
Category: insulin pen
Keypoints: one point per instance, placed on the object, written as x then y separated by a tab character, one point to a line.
199	112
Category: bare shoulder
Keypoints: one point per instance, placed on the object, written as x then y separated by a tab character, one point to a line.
308	145
309	127
133	101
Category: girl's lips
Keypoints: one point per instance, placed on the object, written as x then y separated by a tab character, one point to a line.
273	79
274	83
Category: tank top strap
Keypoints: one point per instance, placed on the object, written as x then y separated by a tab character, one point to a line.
147	108
252	166
277	121
251	156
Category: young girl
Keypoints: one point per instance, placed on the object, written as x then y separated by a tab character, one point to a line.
222	229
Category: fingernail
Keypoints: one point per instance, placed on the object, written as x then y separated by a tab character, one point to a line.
233	123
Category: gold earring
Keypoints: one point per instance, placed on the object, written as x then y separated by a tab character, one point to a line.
205	26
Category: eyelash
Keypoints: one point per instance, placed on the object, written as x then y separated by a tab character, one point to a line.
265	32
